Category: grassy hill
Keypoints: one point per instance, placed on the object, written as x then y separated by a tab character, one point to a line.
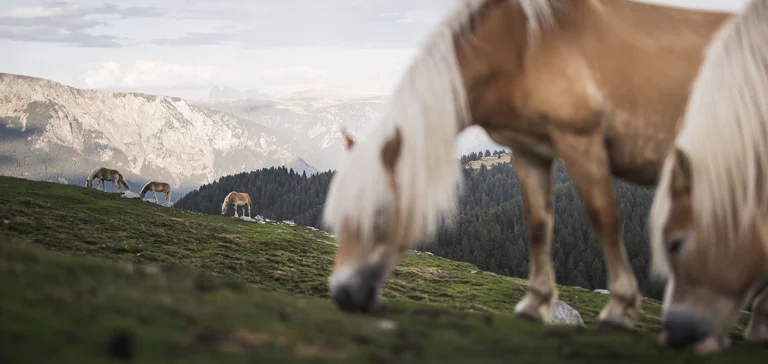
89	277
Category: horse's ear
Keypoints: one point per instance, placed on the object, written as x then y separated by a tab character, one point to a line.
681	173
349	141
391	151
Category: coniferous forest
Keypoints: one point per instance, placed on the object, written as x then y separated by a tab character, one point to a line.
487	231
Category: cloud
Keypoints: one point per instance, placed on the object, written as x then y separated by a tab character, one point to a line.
197	39
161	75
69	23
419	15
154	74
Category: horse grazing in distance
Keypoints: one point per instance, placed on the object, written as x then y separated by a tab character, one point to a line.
106	174
236	199
709	217
600	85
155	187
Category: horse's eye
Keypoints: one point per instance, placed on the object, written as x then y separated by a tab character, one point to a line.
675	245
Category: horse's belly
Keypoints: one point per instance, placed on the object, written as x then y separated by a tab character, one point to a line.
523	144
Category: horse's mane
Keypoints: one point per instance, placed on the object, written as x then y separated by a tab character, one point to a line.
226	200
145	188
430	107
93	173
725	136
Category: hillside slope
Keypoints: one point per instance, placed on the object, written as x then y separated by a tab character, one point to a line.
93	277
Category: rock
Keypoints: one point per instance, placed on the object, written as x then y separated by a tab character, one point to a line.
603	291
473	272
562	313
387	325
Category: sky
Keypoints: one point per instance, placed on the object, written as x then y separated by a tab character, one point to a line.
185	47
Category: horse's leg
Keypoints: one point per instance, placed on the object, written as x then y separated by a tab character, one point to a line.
535	176
587	162
155	195
757	329
103	184
114	182
235	206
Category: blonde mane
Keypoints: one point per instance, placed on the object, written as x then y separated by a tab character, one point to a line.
226	200
430	108
725	136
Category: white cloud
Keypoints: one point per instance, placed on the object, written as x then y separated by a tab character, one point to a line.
155	74
294	74
419	15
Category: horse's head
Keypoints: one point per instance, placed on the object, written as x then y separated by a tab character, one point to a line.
225	205
370	244
88	183
709	279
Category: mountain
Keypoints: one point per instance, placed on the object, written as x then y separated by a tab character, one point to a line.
227	92
312	118
50	131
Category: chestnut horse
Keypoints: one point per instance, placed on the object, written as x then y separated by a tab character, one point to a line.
600	85
709	216
236	199
155	187
103	174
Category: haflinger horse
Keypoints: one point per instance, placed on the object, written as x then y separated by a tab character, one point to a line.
155	187
600	85
709	217
106	174
236	199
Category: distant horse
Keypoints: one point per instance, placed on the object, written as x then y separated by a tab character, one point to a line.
155	187
600	85
709	217
236	199
106	174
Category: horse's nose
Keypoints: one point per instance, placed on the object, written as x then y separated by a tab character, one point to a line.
683	328
355	297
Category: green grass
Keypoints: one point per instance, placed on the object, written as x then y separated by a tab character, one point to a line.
92	277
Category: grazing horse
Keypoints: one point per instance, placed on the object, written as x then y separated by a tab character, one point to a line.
236	199
155	187
600	85
103	174
709	217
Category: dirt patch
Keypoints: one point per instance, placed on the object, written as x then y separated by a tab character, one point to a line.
316	351
242	341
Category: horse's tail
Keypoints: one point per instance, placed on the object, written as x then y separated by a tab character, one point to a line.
169	195
122	181
250	205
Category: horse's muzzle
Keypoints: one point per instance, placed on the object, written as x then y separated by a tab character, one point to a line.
361	296
684	329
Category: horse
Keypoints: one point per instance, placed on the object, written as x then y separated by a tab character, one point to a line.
599	85
709	213
236	199
155	187
103	174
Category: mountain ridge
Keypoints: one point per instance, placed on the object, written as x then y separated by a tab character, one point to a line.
53	129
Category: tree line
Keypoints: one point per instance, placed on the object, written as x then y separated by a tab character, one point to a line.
488	229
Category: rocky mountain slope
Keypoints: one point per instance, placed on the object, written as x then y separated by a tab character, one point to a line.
312	118
50	130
